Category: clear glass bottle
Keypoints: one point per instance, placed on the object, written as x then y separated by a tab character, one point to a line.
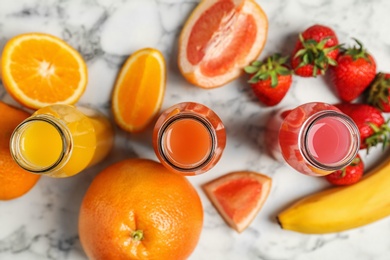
189	138
61	140
315	138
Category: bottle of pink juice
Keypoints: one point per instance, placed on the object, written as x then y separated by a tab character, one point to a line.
317	138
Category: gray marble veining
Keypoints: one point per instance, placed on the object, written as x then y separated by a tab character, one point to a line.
43	223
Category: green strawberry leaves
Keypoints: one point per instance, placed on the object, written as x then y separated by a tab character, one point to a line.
316	54
380	135
379	91
357	52
272	67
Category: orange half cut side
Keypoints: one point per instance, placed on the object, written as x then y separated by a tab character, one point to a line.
40	69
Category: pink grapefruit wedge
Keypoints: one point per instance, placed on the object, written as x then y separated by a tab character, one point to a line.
238	196
219	39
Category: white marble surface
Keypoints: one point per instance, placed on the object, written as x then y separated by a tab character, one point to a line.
43	223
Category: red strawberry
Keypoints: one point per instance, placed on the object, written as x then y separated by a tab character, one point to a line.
379	92
355	70
349	175
316	49
271	79
370	121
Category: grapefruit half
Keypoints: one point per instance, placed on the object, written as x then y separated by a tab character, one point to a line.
238	196
219	39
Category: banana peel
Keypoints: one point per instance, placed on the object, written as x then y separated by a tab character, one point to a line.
342	208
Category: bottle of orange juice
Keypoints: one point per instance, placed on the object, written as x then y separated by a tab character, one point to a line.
189	138
61	140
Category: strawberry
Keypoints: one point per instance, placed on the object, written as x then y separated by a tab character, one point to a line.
355	70
379	92
316	49
270	80
348	175
372	126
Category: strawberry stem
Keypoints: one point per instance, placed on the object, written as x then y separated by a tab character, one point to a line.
272	67
379	91
357	52
380	135
316	54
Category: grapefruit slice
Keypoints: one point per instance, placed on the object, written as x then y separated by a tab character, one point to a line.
219	39
238	196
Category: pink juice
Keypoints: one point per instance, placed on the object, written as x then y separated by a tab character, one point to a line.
317	139
329	140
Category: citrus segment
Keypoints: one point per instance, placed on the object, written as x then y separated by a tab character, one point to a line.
139	90
242	39
203	31
137	209
15	181
219	39
40	69
238	196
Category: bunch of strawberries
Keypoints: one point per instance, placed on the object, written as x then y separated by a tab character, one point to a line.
353	73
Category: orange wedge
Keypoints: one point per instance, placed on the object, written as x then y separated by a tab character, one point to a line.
219	39
40	69
139	90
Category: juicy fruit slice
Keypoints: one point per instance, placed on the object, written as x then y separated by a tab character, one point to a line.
15	181
40	69
139	90
238	196
219	39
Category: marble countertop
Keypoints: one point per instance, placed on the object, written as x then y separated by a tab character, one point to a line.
43	223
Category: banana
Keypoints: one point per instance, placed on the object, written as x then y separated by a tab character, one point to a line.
342	208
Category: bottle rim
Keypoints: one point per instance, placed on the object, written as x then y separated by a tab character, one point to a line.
354	135
183	167
17	155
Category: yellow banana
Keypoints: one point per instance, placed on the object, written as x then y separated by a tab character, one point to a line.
342	208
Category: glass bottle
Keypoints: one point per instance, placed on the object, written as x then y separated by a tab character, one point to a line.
315	138
61	140
189	138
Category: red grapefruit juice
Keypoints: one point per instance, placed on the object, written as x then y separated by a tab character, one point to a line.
187	142
189	138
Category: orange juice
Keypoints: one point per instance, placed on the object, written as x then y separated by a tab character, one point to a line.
37	135
189	138
61	141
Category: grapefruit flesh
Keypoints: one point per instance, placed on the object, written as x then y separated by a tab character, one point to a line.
219	39
238	197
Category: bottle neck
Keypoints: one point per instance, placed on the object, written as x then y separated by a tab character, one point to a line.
41	144
329	140
200	139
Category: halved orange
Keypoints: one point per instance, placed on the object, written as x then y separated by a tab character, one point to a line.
139	90
40	69
219	39
238	196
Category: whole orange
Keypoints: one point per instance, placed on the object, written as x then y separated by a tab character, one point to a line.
137	209
14	181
